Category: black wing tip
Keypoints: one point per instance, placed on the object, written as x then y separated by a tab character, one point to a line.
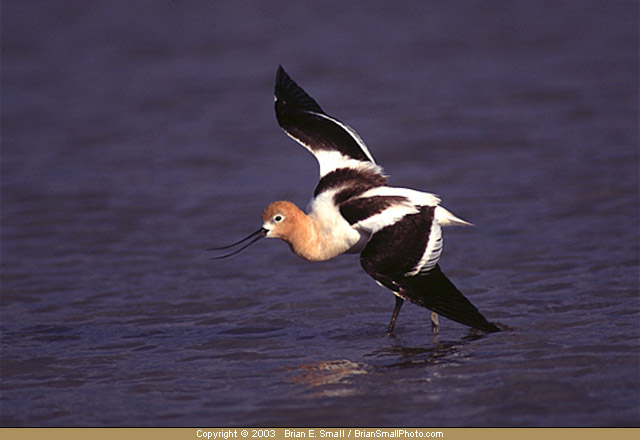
281	76
488	327
436	292
284	83
290	96
470	317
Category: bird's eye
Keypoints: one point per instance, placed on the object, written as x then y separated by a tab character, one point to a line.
278	218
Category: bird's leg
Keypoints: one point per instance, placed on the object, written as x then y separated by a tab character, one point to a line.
435	323
396	310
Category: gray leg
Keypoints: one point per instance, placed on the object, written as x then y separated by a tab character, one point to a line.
435	324
396	310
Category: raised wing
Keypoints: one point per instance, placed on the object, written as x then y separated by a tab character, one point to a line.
334	144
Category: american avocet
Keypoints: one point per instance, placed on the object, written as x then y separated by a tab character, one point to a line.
397	231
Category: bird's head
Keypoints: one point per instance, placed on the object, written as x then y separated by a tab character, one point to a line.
279	220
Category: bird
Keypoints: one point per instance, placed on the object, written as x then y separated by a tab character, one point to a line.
397	231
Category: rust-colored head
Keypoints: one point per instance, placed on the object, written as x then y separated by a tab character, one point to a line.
286	221
282	220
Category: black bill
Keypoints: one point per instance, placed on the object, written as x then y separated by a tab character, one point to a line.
260	233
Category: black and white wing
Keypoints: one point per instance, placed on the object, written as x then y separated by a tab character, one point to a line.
403	257
334	144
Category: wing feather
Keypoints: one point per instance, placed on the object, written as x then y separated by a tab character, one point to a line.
404	258
333	143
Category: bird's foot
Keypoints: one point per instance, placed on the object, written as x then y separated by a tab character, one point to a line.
435	323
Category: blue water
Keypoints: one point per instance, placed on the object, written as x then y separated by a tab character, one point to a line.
137	134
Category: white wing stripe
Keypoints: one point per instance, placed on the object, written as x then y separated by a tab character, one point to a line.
431	253
332	160
386	218
417	198
349	130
